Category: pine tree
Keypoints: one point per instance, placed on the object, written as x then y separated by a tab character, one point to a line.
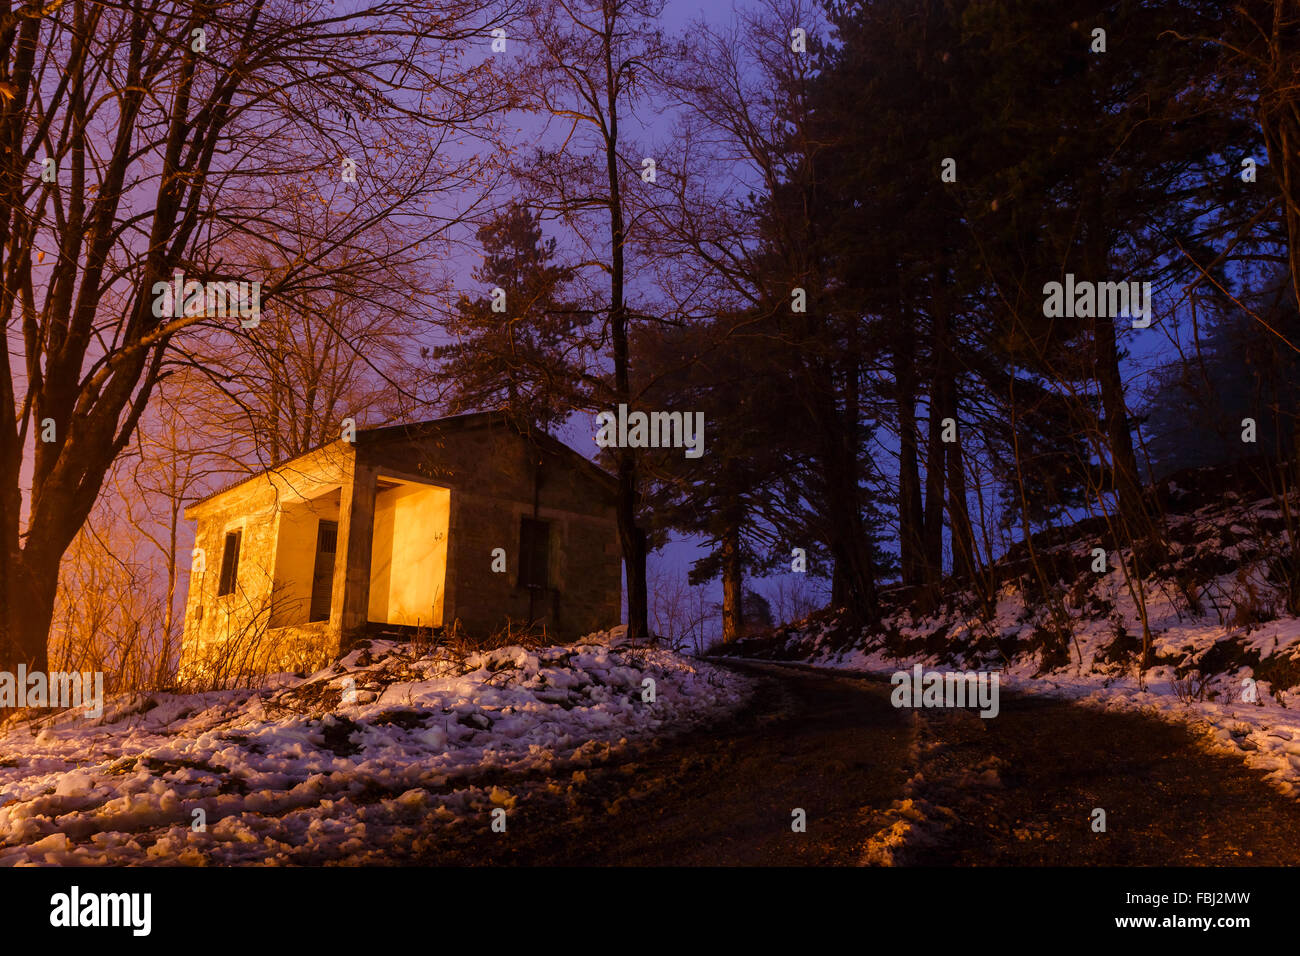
520	343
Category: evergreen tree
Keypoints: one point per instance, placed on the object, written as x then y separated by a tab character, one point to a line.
520	344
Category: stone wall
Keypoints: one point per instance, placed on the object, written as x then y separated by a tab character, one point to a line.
236	632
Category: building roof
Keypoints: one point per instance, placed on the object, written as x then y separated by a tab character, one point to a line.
381	433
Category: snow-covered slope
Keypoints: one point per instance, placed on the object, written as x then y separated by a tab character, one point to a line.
356	763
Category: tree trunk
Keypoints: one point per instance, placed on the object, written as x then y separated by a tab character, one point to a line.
169	612
932	527
909	478
1125	476
31	584
633	538
633	541
853	583
1276	111
963	535
733	616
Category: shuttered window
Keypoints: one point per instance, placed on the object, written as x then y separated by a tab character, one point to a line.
534	553
230	563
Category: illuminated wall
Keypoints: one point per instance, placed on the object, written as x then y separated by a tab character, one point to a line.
408	554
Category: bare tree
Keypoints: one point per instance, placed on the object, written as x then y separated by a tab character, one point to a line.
146	139
593	61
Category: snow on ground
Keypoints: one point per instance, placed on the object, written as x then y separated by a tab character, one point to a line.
364	759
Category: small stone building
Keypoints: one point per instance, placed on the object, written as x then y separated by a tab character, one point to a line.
408	529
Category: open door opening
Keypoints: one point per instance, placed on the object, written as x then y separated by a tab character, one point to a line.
408	553
306	540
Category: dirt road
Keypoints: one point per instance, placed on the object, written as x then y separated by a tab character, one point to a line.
882	785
